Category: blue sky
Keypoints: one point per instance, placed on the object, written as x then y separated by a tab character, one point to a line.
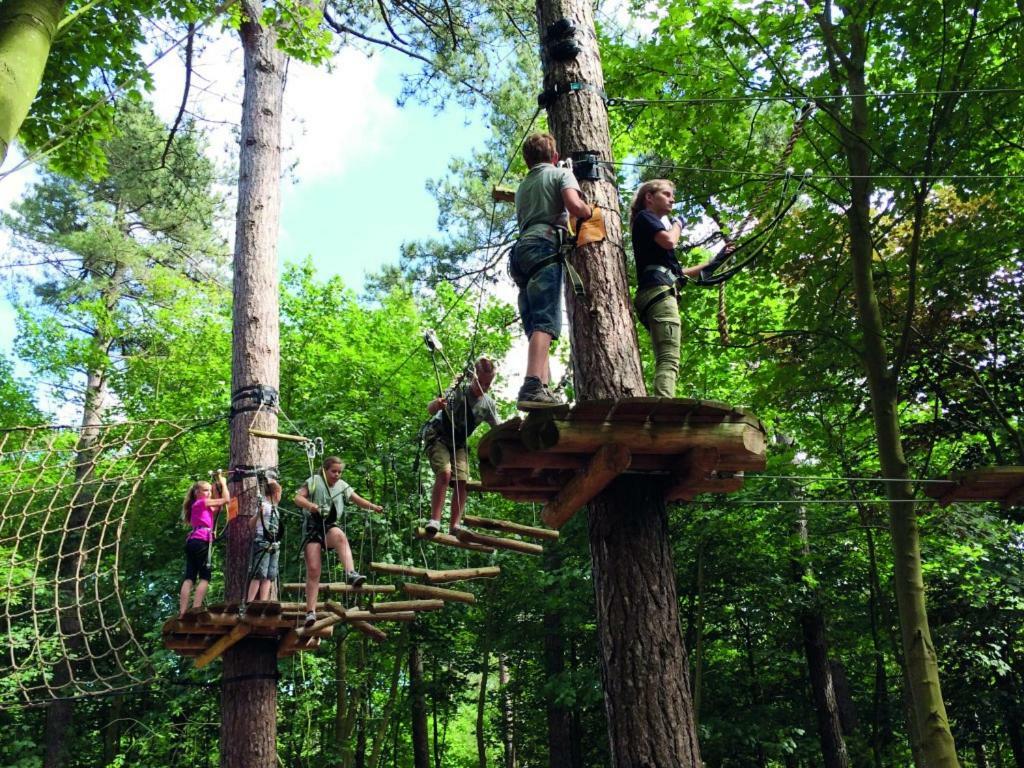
361	163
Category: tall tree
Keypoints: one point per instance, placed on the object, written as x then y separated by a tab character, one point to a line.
249	694
643	660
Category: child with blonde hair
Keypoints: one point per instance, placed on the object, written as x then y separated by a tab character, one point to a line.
198	511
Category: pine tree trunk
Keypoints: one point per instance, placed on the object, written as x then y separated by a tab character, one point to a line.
812	622
508	733
481	708
929	709
643	659
418	704
559	718
380	736
248	737
27	29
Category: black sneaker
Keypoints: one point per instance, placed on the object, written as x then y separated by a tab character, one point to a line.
355	579
535	396
431	528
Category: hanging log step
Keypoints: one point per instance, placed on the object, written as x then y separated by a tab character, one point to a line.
450	541
424	592
342	588
497	542
401	606
509	527
354	616
438	577
370	631
1002	484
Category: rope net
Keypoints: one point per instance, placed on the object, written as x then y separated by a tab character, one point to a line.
66	492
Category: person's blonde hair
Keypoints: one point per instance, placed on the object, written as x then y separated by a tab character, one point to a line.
191	496
538	148
645	189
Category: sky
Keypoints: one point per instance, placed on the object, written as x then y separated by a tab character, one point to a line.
358	162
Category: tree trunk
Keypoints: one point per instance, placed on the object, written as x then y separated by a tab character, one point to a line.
698	632
340	690
380	736
559	718
481	708
830	732
248	736
112	729
508	731
881	726
418	704
929	710
27	29
643	659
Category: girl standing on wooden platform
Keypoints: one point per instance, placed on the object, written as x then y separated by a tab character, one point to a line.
322	497
266	546
198	511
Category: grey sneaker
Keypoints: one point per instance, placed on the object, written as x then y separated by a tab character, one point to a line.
431	528
310	619
355	579
534	396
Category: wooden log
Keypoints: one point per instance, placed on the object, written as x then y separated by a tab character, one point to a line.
514	495
372	617
740	446
369	630
287	645
422	591
512	454
1014	497
400	606
438	577
608	463
215	650
319	624
497	542
695	465
450	541
336	608
503	194
463	574
218	619
341	587
279	436
185	644
193	628
510	527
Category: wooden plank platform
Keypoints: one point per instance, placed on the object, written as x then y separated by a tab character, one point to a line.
206	633
1002	484
565	456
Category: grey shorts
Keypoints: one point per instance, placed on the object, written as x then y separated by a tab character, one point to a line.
540	298
264	559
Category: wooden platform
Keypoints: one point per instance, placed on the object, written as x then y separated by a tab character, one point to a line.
207	633
565	456
1002	484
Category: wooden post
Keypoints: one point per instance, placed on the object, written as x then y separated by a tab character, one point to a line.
643	661
609	462
248	705
237	633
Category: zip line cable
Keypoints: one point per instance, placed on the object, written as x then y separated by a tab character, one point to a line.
765	97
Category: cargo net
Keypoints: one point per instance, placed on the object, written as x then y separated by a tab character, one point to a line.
65	494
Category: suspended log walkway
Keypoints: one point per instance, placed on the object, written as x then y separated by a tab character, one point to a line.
565	456
1002	484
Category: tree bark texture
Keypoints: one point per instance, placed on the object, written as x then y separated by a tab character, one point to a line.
559	717
508	719
27	29
812	623
929	710
643	659
418	704
249	696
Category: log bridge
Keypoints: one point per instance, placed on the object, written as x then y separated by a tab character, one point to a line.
563	457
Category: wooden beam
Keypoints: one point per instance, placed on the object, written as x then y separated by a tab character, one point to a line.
512	454
510	527
514	495
319	624
287	644
1014	497
608	463
695	466
215	650
450	541
369	630
503	194
437	577
342	588
741	446
497	542
400	606
422	591
185	644
279	436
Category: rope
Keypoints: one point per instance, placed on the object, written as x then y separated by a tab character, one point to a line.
764	97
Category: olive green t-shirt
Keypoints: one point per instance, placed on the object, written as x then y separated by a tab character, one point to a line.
539	204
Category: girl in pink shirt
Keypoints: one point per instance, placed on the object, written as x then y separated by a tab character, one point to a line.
198	511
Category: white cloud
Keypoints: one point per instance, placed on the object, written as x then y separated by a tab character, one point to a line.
335	116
